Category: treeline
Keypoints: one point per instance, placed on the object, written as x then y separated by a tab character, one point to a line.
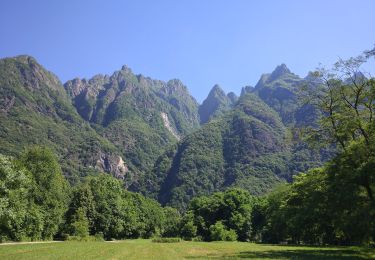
325	206
37	203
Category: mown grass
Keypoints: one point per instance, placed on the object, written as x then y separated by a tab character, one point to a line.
145	249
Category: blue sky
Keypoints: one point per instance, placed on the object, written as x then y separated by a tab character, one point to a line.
201	42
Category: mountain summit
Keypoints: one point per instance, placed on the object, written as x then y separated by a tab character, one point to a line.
216	103
279	71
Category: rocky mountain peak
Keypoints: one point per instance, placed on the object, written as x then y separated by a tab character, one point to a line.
32	74
279	71
216	91
25	59
175	86
126	69
216	103
75	86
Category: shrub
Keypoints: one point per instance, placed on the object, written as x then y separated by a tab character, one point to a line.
188	229
84	239
99	236
166	240
198	239
218	232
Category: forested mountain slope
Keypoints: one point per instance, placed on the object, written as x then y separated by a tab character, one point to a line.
147	131
35	110
253	145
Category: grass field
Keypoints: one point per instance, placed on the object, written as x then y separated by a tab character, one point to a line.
145	249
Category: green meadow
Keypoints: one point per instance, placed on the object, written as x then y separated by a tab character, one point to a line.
146	249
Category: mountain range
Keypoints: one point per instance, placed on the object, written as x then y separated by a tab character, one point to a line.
154	135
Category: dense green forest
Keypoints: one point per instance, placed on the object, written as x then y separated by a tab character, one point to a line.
216	178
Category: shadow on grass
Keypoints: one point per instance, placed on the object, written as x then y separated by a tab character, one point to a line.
305	254
295	254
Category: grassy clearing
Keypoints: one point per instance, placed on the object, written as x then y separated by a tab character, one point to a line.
145	249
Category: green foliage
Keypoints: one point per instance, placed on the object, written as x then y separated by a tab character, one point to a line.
318	208
34	196
243	149
171	223
166	240
50	192
103	206
82	199
84	238
110	217
231	208
80	226
333	204
272	226
188	229
218	232
150	216
15	184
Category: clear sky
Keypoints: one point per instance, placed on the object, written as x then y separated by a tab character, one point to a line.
201	42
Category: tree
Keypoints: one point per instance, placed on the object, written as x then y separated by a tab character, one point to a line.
232	208
346	98
172	219
240	205
149	215
82	198
110	215
50	192
258	218
15	185
307	208
80	225
275	228
188	229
